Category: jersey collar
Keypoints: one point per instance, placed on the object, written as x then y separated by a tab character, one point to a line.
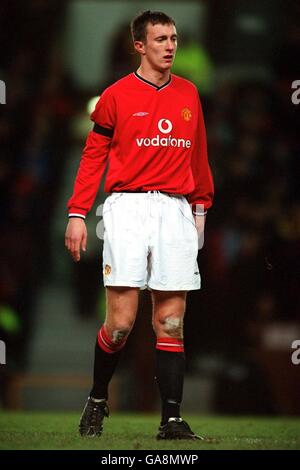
158	88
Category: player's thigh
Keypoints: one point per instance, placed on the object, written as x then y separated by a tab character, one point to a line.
121	307
168	312
124	250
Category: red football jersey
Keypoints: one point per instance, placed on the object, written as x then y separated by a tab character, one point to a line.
153	139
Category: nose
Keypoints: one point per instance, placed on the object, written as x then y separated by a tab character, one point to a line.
170	46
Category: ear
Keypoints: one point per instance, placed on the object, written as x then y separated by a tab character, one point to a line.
139	47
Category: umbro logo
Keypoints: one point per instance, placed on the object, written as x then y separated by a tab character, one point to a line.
140	114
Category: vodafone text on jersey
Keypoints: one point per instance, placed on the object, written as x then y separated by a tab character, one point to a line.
165	127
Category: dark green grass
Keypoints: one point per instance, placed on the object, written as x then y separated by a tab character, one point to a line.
125	432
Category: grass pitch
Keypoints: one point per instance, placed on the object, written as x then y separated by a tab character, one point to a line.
43	431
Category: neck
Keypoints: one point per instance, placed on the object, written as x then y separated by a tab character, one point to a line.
156	77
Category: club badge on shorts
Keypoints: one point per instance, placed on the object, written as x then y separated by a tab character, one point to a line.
107	270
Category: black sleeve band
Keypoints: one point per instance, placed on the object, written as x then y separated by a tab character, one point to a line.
77	217
103	130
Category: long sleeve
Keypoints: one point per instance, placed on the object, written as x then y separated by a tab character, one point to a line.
90	172
203	193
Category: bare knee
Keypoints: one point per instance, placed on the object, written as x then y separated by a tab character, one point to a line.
168	313
119	329
169	326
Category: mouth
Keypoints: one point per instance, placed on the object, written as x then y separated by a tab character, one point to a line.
168	57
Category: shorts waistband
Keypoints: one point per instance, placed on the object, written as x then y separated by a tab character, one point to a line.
152	191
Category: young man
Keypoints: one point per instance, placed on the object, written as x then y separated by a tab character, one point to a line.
149	127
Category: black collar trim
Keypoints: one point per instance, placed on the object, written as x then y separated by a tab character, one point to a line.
158	88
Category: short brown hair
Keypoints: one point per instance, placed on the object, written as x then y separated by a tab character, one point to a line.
139	23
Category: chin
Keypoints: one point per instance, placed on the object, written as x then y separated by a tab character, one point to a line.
165	67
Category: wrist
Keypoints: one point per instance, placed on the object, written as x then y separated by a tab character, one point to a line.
199	209
78	217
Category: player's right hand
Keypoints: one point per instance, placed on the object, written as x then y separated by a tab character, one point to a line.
76	237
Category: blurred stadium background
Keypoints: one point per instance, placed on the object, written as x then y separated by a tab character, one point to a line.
243	56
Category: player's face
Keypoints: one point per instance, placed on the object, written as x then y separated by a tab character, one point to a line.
160	47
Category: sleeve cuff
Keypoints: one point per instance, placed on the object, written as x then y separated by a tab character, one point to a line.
74	215
199	213
199	209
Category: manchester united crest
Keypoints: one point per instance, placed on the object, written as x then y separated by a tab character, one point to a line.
107	270
186	114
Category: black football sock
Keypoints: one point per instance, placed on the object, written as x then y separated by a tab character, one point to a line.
104	367
170	376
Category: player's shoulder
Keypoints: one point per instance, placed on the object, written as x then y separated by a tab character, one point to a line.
116	87
183	84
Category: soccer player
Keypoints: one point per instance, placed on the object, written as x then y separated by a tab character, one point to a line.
149	127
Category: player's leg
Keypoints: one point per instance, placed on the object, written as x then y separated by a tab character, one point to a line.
124	264
168	316
122	303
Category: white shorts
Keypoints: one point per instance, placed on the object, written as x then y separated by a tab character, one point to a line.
150	241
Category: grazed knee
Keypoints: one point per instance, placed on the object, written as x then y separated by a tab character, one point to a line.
172	326
118	332
119	335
